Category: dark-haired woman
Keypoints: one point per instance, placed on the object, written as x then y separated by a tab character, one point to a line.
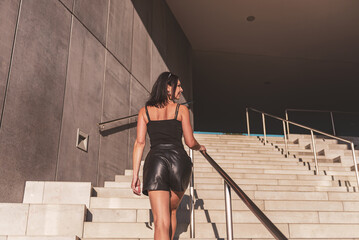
167	168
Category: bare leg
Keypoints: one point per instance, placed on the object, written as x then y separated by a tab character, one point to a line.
160	205
176	198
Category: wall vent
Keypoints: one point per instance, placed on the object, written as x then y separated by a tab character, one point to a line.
82	140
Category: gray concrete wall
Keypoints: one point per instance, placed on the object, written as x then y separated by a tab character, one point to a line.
69	64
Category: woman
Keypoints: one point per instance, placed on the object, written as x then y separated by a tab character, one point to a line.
167	168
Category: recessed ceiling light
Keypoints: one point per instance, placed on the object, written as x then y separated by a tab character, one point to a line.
251	18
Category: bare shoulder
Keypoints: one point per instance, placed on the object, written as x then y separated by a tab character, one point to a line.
142	112
183	112
183	108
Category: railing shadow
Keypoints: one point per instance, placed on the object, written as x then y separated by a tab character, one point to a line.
117	129
184	215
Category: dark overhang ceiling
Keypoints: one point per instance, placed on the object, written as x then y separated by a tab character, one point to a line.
313	29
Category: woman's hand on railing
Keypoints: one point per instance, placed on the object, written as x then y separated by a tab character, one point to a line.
202	148
136	185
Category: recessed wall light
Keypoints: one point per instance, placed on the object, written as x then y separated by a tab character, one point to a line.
251	18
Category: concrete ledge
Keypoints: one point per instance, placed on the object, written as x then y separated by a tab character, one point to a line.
58	192
13	219
34	192
41	238
56	220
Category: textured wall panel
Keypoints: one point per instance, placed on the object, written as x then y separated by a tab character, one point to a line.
8	16
114	142
141	52
68	3
82	107
158	65
120	30
93	14
32	116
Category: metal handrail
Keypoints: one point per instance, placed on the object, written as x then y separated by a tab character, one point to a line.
191	193
318	111
230	184
101	125
312	136
313	110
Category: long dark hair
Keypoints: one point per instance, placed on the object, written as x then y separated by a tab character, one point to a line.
159	95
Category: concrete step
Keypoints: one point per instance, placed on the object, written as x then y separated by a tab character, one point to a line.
313	231
244	152
200	159
283	165
116	193
218	216
308	140
120	203
182	238
300	205
206	186
203	230
253	194
325	206
301	180
144	204
276	217
256	178
249	146
328	146
321	159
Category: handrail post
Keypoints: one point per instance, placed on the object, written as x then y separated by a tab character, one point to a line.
192	226
286	118
355	163
264	129
229	223
248	127
315	153
332	118
285	139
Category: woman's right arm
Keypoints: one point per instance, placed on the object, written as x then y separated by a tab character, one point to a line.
138	151
189	139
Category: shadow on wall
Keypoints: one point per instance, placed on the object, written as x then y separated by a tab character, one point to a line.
170	43
118	129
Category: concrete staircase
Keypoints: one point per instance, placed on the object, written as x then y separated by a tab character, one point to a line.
301	204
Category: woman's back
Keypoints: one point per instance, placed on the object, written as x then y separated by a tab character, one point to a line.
166	113
163	125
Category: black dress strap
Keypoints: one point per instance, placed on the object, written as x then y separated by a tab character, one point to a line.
148	116
178	105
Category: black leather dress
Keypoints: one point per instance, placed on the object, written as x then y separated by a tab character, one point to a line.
167	165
